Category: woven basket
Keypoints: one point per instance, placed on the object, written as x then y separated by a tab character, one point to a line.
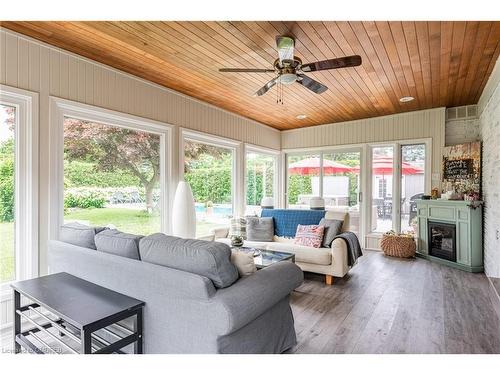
398	246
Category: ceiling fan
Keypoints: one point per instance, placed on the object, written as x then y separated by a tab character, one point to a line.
290	69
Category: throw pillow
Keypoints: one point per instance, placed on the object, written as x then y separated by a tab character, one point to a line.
244	262
333	228
79	234
114	242
309	235
260	229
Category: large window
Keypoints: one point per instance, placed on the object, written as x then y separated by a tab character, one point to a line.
260	180
112	176
209	170
7	193
18	187
303	176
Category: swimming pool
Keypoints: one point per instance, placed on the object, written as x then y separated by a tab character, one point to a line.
218	209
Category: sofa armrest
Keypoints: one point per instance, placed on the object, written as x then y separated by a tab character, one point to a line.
220	232
339	257
251	296
208	237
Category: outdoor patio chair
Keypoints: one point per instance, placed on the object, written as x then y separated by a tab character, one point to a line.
117	197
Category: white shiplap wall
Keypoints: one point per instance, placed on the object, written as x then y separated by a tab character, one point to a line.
411	125
31	65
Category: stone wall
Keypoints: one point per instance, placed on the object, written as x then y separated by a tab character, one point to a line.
489	121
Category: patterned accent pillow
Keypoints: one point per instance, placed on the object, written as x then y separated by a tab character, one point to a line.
309	235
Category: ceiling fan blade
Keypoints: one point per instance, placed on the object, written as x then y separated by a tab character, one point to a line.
341	62
311	84
266	87
245	70
285	45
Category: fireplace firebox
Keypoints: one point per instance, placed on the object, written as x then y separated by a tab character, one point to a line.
442	240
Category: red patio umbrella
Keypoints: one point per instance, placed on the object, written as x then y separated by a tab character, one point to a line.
383	165
311	166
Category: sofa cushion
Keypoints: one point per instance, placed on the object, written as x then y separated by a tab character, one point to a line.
79	234
309	235
260	229
304	254
113	241
286	221
244	262
339	213
209	259
333	228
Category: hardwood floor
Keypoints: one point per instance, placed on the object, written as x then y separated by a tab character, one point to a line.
390	305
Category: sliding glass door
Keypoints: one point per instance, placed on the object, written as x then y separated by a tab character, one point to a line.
333	175
398	179
412	184
341	186
382	168
303	179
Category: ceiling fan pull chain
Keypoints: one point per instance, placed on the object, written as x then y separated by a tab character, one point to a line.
282	94
277	93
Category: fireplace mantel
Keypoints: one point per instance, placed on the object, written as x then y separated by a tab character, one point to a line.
467	218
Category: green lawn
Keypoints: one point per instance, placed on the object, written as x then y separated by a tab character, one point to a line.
126	220
6	252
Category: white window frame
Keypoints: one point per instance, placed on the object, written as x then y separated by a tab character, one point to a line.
237	173
275	154
26	183
61	108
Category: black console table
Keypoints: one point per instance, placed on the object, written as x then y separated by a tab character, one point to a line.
68	314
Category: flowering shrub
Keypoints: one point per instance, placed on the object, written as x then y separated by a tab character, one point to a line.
84	198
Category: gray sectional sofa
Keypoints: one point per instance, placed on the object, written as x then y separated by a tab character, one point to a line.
195	300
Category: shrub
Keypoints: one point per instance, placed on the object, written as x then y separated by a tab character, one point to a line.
210	184
79	173
84	199
7	190
298	185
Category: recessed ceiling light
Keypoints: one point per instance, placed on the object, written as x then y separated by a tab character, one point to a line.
406	99
301	117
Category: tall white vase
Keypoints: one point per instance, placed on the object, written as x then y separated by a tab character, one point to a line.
183	212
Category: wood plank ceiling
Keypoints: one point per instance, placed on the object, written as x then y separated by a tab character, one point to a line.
438	63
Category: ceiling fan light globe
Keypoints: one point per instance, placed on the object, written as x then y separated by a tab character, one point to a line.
288	78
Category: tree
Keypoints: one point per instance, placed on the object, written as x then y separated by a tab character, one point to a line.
111	148
193	151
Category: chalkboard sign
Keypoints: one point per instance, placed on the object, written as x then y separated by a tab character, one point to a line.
458	168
